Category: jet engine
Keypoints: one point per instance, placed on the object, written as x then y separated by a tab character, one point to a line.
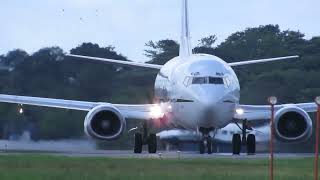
104	122
292	124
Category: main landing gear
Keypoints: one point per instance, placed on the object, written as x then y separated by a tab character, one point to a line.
145	138
248	141
205	144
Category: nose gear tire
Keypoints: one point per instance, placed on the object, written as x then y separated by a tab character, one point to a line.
201	147
209	145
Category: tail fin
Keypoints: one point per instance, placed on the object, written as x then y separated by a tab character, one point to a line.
185	41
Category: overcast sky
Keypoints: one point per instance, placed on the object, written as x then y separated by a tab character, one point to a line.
129	24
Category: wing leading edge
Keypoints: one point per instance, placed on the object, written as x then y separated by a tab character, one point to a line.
263	112
128	63
128	111
262	60
158	67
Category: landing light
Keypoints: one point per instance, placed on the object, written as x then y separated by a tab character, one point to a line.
21	110
239	111
156	112
273	100
169	108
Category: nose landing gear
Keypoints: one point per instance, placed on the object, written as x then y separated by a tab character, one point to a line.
205	141
205	144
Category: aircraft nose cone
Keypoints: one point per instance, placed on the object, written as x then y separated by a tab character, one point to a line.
209	113
207	105
208	100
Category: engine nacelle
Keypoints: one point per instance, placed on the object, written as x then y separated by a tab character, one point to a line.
293	124
104	122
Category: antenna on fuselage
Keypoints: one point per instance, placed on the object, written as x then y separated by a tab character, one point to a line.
185	41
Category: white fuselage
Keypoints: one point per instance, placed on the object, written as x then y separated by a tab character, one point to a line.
203	91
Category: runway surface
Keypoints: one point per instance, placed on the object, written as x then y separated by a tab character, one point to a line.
175	154
87	149
159	155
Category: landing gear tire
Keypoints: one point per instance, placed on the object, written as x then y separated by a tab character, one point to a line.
152	143
236	144
137	143
209	145
214	147
251	144
201	147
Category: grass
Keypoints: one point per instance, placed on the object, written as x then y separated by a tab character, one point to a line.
44	167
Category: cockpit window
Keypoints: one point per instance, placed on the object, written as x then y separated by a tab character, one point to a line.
203	80
199	80
187	81
215	80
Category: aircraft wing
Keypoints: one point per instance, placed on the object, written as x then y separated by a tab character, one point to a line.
127	63
263	112
262	60
129	111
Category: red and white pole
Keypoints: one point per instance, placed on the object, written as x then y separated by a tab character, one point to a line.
316	154
272	102
271	142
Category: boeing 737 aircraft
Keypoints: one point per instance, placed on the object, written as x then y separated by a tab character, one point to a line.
196	92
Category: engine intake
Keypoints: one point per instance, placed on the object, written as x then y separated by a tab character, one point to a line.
104	122
293	124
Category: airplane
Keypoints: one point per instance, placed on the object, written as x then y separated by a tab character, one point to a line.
196	92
